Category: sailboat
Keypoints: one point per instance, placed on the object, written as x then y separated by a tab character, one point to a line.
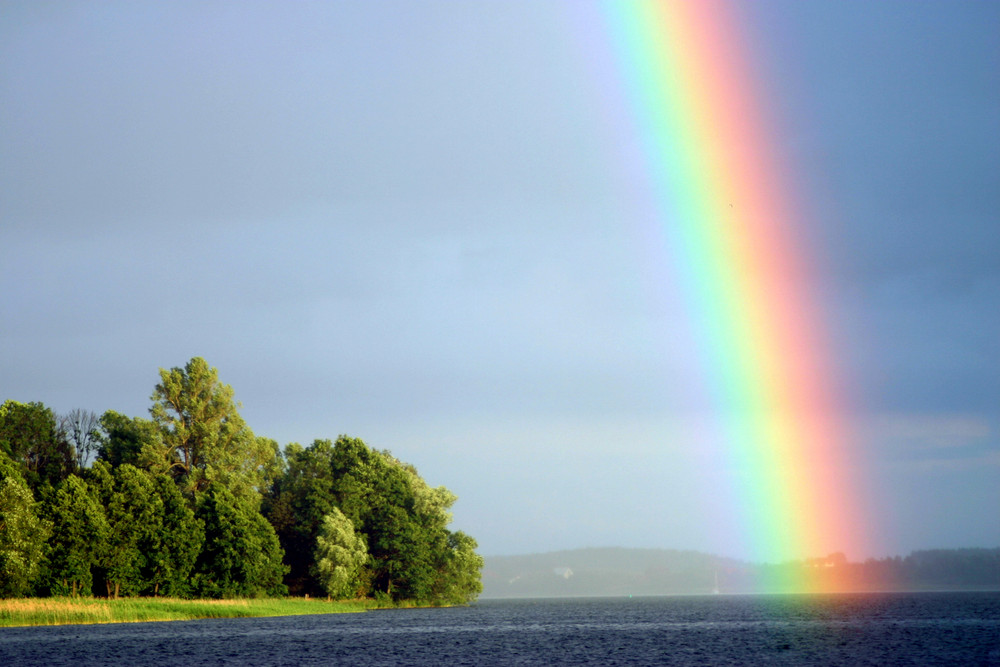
715	591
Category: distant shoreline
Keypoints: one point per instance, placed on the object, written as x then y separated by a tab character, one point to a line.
620	572
901	591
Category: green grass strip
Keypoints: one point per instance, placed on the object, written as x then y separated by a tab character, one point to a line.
66	611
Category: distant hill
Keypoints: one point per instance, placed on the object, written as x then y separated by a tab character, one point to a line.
622	572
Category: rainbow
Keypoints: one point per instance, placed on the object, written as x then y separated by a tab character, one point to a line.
733	236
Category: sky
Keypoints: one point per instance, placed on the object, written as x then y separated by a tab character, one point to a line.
417	224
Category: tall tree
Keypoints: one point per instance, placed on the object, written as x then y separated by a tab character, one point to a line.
204	438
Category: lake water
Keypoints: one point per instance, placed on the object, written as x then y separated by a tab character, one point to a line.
869	629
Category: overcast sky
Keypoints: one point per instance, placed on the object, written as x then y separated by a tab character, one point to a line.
414	223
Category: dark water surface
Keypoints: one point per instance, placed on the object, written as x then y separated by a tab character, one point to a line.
869	629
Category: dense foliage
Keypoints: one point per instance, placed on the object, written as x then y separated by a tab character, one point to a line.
192	503
400	521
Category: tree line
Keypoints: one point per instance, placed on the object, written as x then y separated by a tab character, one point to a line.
191	503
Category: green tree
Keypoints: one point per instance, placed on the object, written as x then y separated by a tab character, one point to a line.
204	438
29	434
79	532
134	512
340	556
170	567
402	518
241	555
122	439
22	533
401	549
459	571
403	521
298	501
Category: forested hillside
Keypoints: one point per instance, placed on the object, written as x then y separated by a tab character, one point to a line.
191	503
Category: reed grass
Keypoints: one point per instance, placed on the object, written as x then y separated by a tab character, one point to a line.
80	610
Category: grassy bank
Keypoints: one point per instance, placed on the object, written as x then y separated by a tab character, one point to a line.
65	611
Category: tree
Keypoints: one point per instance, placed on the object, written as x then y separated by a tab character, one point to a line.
170	567
30	436
296	505
400	548
122	439
204	438
134	513
241	555
79	531
340	556
403	521
80	429
22	533
459	571
9	467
